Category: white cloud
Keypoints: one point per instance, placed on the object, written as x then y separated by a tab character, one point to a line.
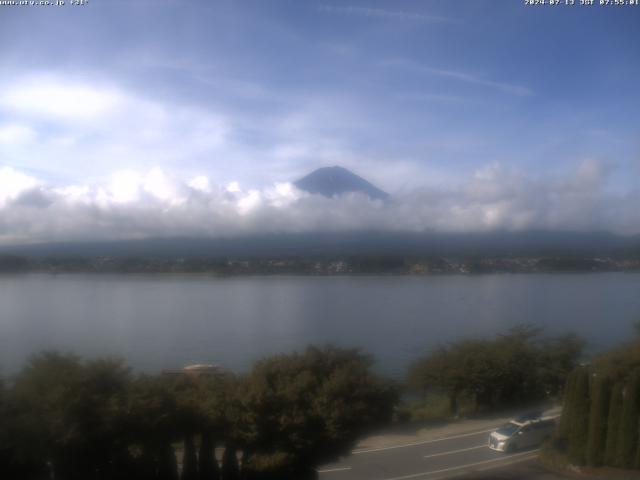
251	201
465	77
153	203
504	87
108	128
125	187
15	134
49	96
160	186
76	128
13	183
200	183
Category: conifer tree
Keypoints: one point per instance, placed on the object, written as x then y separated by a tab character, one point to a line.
563	427
636	462
613	425
628	433
600	393
579	413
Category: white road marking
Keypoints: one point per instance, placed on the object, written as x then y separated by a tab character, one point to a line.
484	445
463	467
380	449
338	469
357	452
492	467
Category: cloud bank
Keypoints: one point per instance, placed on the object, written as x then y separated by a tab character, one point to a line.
84	159
130	204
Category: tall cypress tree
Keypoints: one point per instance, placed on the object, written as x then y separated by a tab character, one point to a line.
628	433
579	426
563	427
613	425
636	462
209	469
600	394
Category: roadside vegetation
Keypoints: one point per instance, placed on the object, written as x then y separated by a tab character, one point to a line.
471	376
601	412
66	418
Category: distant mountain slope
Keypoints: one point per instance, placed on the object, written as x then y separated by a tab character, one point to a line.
542	243
332	181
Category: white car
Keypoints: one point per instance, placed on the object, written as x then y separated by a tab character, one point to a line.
522	432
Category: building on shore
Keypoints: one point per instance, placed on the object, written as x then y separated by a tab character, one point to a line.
197	370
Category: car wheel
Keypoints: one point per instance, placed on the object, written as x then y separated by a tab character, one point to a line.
512	447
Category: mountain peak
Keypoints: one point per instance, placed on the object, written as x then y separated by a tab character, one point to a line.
336	180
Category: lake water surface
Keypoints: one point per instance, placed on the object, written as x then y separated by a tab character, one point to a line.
165	321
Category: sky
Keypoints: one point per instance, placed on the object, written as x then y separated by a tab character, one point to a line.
147	118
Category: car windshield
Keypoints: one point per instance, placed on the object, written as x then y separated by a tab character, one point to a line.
507	429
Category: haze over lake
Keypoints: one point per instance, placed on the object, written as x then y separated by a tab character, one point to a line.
167	321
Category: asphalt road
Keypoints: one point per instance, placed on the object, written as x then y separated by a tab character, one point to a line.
428	460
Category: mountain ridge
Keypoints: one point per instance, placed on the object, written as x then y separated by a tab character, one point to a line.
336	181
535	242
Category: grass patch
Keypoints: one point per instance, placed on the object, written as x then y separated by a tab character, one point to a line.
432	408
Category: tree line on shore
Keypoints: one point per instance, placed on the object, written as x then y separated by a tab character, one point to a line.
67	418
517	367
600	423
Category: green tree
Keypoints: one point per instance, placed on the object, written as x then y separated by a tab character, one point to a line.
620	363
519	356
220	415
613	425
71	416
97	417
439	371
579	414
557	357
600	395
567	406
155	423
513	368
40	395
310	408
628	433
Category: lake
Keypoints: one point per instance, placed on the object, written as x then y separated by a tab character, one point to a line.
167	321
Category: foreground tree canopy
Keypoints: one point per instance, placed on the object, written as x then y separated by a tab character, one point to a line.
66	418
300	410
519	366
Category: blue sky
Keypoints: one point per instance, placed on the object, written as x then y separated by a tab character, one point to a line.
128	103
